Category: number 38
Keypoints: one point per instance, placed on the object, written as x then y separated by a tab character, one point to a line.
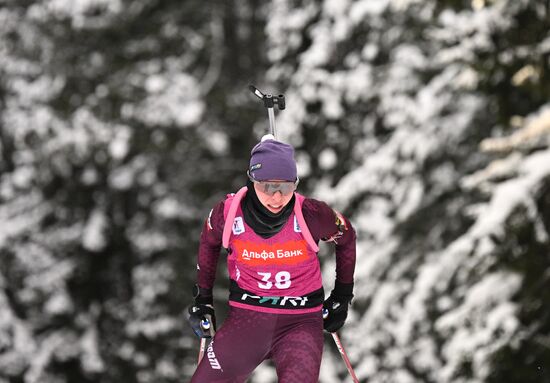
282	280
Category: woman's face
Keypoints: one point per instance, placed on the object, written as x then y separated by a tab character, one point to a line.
274	202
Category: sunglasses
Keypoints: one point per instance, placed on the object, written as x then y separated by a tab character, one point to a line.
272	187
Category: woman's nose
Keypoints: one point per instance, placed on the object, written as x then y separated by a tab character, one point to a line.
278	196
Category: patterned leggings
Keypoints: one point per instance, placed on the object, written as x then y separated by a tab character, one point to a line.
294	342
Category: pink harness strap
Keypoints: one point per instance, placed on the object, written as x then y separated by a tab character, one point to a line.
230	215
235	201
302	222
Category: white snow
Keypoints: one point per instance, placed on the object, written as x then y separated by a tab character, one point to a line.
94	234
402	79
174	99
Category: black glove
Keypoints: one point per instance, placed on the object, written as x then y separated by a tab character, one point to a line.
335	307
201	315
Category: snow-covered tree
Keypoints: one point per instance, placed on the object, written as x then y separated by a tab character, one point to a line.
427	122
115	125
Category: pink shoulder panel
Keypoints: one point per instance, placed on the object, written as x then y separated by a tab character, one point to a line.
229	211
302	222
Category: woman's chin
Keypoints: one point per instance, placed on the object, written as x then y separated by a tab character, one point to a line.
275	209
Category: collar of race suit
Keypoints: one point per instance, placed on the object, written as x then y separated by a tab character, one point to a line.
264	223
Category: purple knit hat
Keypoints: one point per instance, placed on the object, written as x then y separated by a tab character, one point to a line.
272	160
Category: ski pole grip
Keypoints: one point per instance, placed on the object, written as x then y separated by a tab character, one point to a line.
325	313
205	324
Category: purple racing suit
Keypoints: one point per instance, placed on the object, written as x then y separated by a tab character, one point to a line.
293	342
276	292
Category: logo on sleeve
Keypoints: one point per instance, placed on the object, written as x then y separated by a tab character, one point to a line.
209	220
238	226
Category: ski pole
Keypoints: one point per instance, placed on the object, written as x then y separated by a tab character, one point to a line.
269	103
206	326
344	356
342	351
202	348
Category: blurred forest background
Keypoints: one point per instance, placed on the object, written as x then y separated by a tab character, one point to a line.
427	122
